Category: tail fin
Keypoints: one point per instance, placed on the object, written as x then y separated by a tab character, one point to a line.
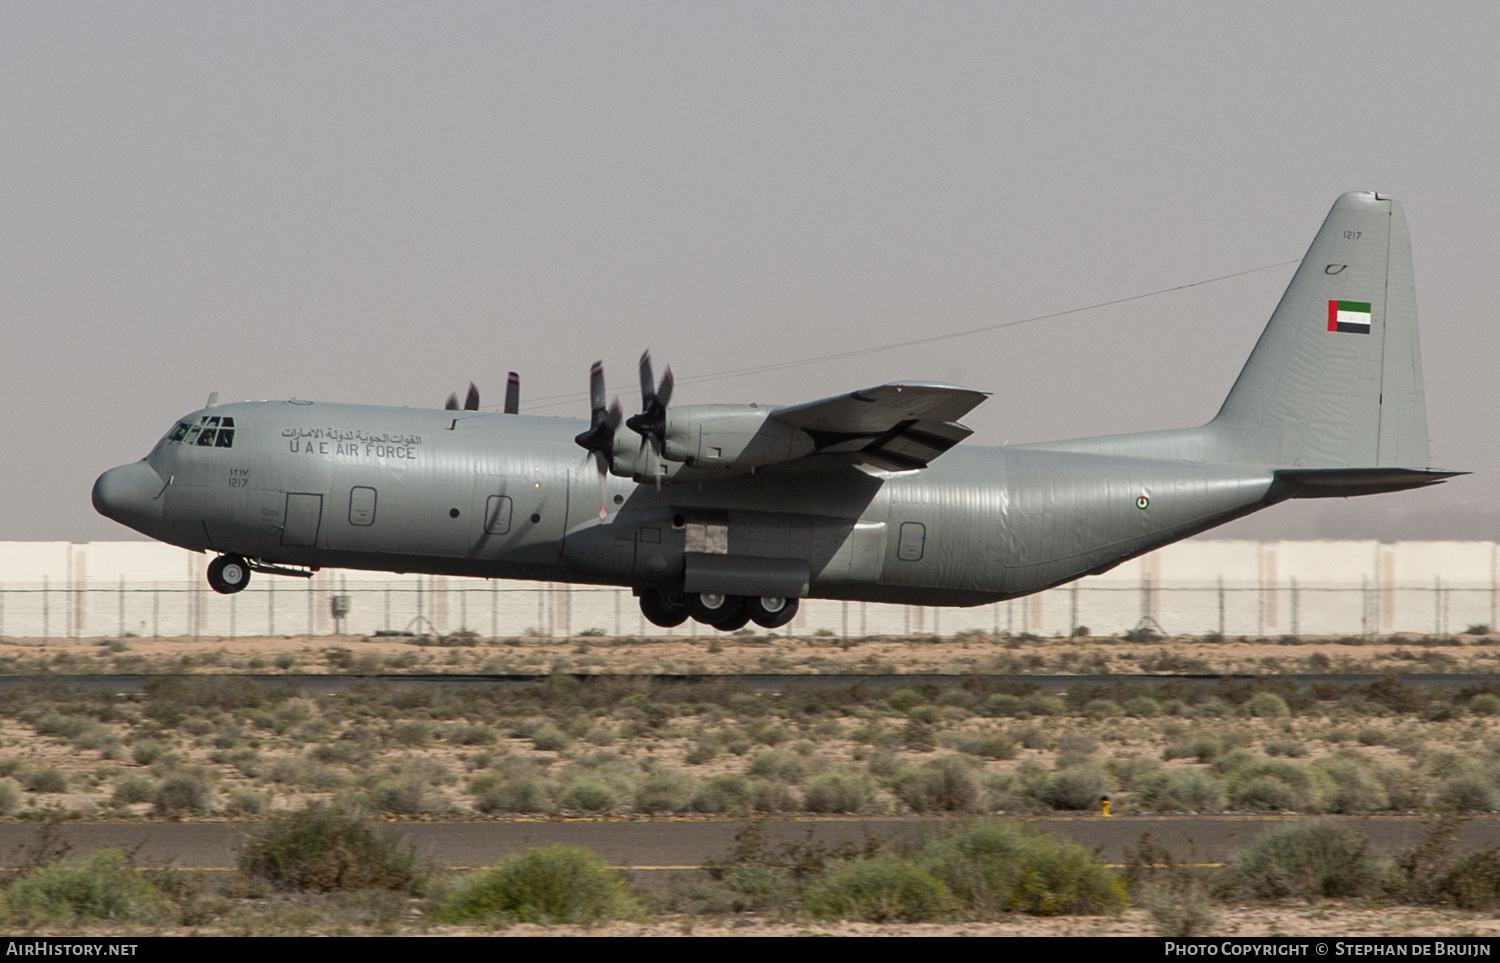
1336	378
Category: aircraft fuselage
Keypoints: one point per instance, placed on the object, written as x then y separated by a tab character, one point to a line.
512	496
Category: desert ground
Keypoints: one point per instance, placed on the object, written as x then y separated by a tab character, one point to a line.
196	745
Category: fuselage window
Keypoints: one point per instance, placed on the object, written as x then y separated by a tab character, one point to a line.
913	541
497	515
362	506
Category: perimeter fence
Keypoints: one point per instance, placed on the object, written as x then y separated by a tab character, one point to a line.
433	605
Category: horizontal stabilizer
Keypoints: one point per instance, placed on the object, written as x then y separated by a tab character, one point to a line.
1347	482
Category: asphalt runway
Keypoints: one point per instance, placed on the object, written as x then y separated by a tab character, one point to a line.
652	845
759	682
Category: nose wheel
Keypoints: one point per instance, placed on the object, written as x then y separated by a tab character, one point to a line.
228	574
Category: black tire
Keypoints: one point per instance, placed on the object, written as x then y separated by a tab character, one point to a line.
771	613
661	611
712	608
735	622
228	574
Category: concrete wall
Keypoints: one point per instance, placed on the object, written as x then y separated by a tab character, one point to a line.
68	590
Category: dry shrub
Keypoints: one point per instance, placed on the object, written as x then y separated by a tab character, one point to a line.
881	890
949	784
1308	860
559	884
999	867
327	849
102	887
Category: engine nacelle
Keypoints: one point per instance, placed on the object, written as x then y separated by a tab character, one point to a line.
721	438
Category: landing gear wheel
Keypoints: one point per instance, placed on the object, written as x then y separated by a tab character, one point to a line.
662	610
735	622
769	612
711	608
228	574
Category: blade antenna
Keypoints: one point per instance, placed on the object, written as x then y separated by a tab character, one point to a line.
471	401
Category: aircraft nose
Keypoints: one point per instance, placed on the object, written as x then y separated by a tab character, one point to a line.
130	495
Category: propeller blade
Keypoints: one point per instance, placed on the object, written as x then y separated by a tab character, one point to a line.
596	388
471	402
655	460
648	383
600	438
664	392
651	423
602	460
452	404
513	394
647	464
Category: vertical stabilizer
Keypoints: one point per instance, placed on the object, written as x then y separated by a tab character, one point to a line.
1335	380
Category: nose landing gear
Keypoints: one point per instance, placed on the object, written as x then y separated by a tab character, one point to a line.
228	574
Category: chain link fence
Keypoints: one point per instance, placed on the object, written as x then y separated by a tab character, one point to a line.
432	605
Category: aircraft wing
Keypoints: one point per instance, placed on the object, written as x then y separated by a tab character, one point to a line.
896	426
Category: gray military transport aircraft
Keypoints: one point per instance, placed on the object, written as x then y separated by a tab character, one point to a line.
732	513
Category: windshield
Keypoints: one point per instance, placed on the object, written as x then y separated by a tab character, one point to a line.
209	431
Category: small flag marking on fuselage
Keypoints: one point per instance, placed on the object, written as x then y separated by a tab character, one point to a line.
1351	317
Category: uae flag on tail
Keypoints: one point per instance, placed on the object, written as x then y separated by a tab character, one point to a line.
1351	317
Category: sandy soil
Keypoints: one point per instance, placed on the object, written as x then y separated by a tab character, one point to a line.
91	773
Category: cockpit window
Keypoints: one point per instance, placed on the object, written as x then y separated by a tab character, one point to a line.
210	431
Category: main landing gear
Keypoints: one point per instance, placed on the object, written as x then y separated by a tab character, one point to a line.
724	612
228	574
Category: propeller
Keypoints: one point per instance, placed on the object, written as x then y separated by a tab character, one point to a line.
513	394
471	401
600	438
651	423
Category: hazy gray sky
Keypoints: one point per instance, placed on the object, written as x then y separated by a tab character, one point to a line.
379	202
